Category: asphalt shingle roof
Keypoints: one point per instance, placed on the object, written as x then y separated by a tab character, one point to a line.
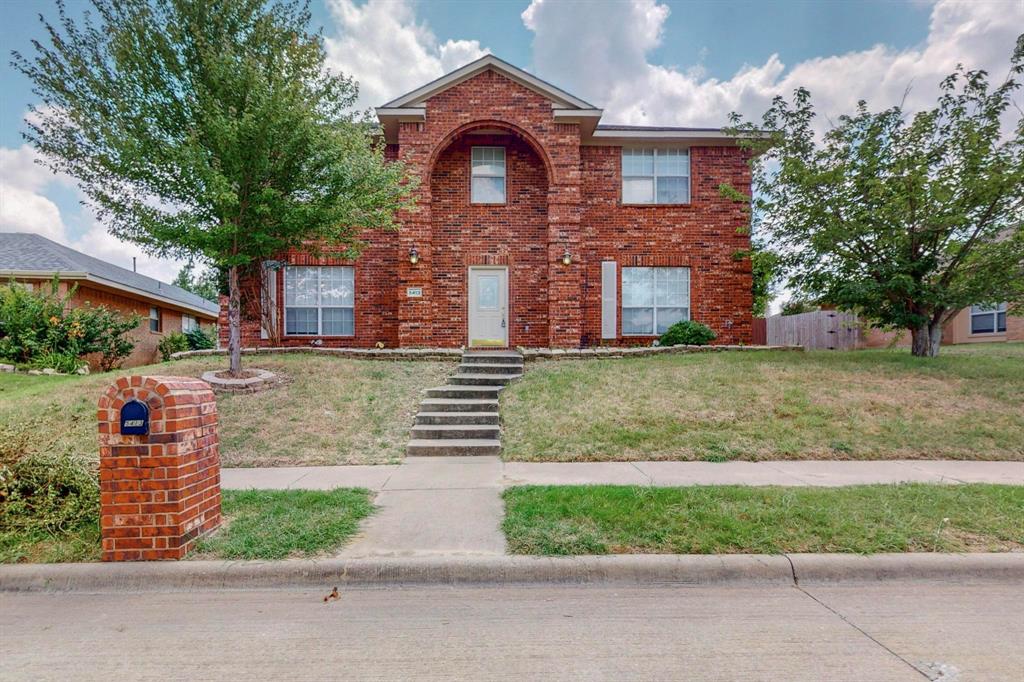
21	251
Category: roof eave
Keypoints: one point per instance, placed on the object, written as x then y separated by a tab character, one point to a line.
102	281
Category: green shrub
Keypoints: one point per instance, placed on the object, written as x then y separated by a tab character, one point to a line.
40	324
200	340
175	342
687	333
62	362
51	492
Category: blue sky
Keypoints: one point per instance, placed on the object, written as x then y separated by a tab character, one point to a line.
642	60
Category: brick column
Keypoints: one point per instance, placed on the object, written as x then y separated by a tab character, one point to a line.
159	492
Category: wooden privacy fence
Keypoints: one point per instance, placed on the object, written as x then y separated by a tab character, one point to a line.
820	330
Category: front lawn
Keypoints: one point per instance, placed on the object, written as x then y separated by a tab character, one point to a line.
258	524
561	520
327	411
875	404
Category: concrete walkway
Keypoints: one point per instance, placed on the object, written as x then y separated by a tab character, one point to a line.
452	506
454	473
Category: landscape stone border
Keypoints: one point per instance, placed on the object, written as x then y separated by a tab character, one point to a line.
532	354
262	380
455	354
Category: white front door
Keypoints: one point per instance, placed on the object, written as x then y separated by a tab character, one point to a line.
488	306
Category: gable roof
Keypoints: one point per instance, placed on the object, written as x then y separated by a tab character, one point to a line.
26	254
416	98
565	108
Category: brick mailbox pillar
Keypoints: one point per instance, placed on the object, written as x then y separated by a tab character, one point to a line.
159	467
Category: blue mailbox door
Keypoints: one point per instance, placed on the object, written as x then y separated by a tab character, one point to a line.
134	418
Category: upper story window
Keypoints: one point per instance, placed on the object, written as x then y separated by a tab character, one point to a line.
155	320
988	320
655	176
653	299
319	301
488	182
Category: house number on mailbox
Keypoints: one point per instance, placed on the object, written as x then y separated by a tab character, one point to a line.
134	418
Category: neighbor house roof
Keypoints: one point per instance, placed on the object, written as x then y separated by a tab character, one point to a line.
31	255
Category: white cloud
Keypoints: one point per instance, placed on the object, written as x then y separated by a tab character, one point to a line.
23	210
602	55
24	207
383	46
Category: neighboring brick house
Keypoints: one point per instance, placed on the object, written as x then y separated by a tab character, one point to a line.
34	260
534	226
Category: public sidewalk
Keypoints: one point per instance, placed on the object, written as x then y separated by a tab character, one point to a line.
451	506
461	473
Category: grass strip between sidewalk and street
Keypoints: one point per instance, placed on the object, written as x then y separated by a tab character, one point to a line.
865	519
258	524
284	524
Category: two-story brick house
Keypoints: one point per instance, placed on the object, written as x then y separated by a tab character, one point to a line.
535	226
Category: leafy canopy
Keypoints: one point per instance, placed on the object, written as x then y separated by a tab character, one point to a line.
208	128
905	219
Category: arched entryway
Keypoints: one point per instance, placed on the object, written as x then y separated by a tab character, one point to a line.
497	244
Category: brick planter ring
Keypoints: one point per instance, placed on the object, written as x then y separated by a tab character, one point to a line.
160	491
262	380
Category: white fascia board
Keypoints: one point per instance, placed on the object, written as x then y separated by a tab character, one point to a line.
403	113
664	134
85	276
561	113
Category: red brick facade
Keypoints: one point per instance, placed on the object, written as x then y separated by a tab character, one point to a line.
563	193
161	491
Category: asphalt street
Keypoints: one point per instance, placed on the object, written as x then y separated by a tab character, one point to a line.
870	631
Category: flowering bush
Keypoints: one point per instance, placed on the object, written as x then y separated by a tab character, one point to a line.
40	325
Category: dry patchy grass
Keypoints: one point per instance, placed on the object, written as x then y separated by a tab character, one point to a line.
326	411
966	404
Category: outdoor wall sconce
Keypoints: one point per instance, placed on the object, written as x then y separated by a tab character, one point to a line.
567	258
414	256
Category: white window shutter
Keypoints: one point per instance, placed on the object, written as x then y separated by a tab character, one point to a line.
609	300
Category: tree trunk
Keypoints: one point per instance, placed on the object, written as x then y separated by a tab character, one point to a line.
234	323
926	339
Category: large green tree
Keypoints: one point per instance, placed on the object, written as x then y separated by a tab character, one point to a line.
209	129
205	283
905	219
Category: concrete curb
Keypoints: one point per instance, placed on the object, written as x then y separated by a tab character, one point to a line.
837	568
736	569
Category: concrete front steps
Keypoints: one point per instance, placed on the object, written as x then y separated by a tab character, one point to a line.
461	418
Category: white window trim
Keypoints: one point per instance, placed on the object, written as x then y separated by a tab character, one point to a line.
654	305
318	307
994	314
504	173
654	177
